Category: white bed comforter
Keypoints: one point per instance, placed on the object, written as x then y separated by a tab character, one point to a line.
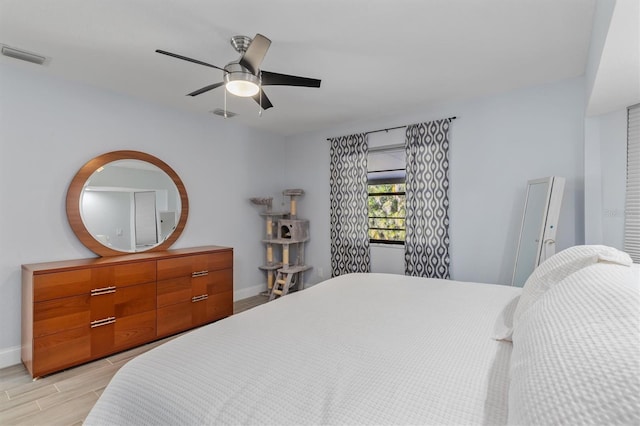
357	349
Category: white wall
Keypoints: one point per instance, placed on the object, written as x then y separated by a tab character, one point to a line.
107	212
497	144
613	155
605	178
50	127
612	83
386	259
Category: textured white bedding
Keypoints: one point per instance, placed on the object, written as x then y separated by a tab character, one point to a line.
357	349
576	352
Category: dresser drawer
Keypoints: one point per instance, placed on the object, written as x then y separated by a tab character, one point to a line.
182	316
82	281
132	273
135	300
51	316
172	291
123	318
61	350
174	318
185	289
194	265
217	306
217	282
135	329
123	301
61	284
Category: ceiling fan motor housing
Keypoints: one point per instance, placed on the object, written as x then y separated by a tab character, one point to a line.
240	81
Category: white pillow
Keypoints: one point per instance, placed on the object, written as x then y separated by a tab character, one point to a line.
560	266
575	352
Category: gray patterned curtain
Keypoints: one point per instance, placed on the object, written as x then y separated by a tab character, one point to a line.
426	247
349	208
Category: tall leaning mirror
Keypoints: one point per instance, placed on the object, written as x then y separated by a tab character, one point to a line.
539	224
127	202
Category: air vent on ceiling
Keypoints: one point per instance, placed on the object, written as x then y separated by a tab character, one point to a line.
221	113
12	52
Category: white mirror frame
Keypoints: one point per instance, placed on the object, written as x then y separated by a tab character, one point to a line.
538	228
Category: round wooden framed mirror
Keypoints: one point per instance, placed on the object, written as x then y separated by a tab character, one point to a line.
127	202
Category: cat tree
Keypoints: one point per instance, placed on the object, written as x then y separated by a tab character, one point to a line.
288	239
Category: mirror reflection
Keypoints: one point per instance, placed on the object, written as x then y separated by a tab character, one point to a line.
530	234
130	205
539	224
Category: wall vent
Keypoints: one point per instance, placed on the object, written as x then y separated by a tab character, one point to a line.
12	52
220	112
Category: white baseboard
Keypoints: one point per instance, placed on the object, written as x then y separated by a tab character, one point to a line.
9	356
248	292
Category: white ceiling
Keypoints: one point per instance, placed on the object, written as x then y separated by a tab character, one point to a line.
374	57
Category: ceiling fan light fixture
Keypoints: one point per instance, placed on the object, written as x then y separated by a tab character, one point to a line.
243	84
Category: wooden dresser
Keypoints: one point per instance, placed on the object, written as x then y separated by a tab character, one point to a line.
80	310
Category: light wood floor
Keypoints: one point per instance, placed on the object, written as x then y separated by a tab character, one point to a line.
66	398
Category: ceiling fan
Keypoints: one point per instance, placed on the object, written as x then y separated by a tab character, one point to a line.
243	77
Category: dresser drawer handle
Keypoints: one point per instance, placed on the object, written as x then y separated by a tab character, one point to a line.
103	290
199	298
103	321
199	274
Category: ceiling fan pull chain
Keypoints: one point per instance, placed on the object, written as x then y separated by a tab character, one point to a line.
225	102
260	88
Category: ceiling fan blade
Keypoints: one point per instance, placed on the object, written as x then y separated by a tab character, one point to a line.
205	89
195	61
266	103
254	55
275	79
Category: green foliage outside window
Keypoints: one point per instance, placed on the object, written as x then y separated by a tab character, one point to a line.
387	212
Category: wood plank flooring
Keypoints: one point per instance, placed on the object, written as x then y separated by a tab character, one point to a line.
66	398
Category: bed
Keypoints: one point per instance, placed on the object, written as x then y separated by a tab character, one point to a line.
389	349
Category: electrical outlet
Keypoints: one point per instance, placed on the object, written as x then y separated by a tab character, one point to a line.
613	213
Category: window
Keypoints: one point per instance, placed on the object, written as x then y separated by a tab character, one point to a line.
632	204
386	213
386	174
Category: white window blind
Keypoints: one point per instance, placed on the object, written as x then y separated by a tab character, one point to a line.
386	164
632	203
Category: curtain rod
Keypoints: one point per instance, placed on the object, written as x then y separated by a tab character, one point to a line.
397	127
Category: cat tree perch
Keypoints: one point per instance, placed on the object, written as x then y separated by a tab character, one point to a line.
290	235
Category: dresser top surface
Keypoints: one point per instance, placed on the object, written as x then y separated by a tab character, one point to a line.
126	258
